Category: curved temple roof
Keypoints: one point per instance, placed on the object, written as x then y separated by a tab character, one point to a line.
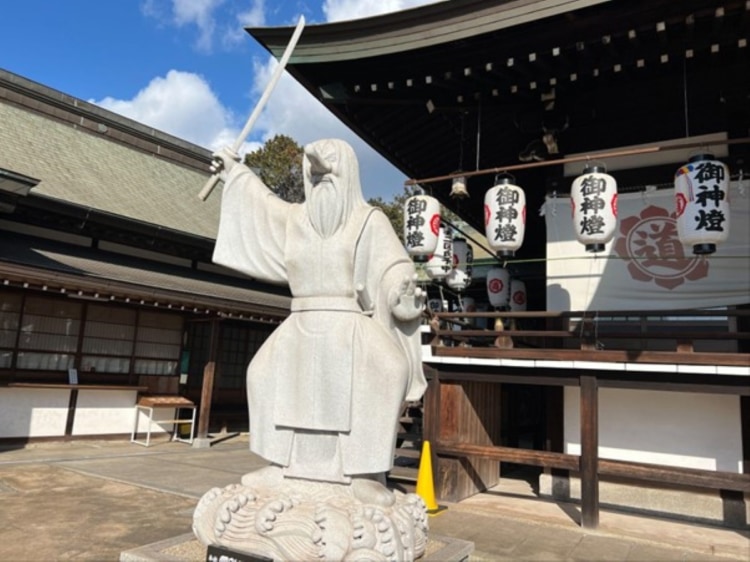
478	83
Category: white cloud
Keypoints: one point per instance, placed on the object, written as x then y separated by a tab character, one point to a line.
181	104
200	13
234	33
338	10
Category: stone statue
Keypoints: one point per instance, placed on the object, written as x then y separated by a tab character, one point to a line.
326	389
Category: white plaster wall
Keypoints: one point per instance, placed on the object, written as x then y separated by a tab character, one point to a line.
672	428
39	412
104	412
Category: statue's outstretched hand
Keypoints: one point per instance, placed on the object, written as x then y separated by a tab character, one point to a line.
224	160
409	300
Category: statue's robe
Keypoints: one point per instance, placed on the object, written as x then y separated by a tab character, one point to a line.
340	366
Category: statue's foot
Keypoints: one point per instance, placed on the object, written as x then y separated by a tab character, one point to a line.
267	476
369	491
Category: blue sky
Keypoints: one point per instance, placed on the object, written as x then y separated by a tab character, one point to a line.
186	67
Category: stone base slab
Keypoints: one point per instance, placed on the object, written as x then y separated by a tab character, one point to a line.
186	548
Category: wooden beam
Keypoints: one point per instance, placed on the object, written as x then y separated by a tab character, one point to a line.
589	452
508	454
708	479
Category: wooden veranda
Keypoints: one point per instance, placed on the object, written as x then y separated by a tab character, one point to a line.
462	414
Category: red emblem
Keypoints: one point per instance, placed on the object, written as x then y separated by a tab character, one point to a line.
650	244
435	224
680	203
486	215
495	285
614	204
519	297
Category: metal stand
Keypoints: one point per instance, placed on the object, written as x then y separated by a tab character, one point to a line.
147	406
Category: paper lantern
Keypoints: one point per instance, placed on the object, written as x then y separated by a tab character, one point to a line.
421	225
702	203
505	216
440	263
594	200
498	287
459	277
517	295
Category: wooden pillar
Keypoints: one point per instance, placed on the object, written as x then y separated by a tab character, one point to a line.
745	432
72	404
738	499
431	410
589	452
209	372
554	419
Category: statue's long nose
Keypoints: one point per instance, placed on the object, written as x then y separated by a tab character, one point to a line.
318	164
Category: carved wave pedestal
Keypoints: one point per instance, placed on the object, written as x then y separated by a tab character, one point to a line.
305	520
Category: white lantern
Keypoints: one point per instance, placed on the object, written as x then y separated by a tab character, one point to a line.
440	263
505	216
702	200
517	295
459	277
498	287
421	225
594	200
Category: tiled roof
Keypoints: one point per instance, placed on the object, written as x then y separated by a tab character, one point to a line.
90	157
61	265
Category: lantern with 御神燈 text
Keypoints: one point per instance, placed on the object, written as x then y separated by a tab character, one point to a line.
421	225
440	263
459	277
505	216
702	199
517	295
498	287
593	197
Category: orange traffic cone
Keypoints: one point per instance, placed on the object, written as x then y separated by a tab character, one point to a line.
425	484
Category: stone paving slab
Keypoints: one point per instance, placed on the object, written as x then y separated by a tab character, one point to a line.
57	514
94	500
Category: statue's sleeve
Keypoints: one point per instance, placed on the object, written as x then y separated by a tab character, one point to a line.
381	266
252	227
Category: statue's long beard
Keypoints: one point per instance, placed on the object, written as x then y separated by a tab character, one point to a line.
325	209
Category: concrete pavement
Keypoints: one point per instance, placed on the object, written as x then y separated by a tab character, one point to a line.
92	500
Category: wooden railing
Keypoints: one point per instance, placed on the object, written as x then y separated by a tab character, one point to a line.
719	337
462	402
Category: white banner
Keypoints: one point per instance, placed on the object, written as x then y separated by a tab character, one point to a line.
645	267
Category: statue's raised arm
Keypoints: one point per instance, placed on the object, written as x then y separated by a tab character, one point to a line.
252	227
